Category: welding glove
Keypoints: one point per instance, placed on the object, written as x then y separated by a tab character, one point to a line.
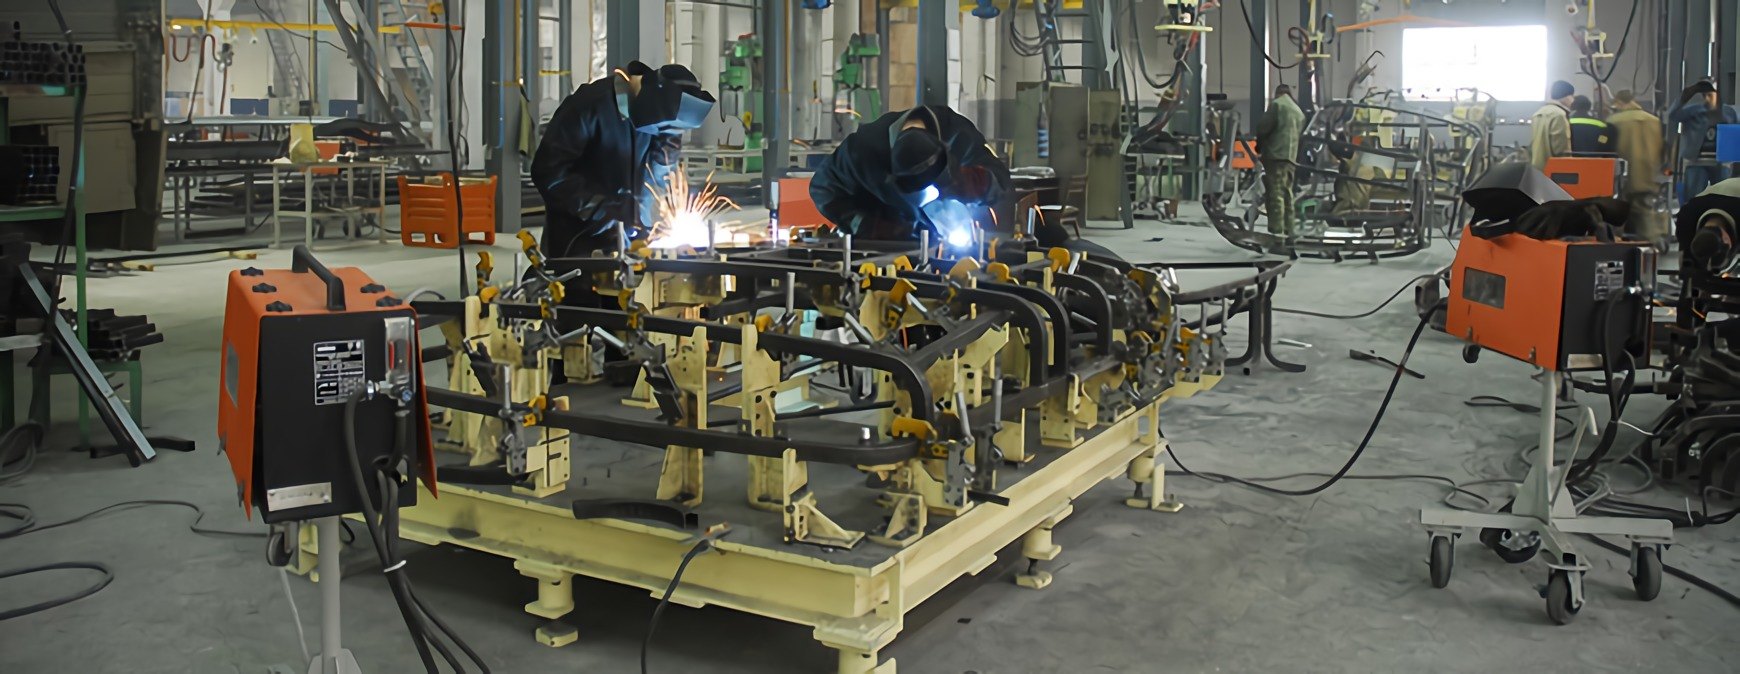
879	227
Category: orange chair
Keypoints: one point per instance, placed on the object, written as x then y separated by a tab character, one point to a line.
1244	155
328	150
426	212
1586	177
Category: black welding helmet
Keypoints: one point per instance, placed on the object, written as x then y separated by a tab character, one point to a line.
918	155
1508	190
670	100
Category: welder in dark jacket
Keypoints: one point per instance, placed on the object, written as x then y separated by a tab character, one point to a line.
886	180
606	143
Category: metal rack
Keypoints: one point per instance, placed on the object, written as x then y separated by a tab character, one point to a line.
76	187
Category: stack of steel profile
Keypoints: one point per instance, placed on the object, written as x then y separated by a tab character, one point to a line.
111	337
50	63
29	174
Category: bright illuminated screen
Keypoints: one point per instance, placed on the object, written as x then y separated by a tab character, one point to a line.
1508	62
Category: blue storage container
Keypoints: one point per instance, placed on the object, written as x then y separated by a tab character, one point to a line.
1728	143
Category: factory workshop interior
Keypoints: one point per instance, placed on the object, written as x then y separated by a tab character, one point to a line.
865	336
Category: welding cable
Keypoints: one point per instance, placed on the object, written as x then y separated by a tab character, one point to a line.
27	525
23	513
1359	451
1617	397
93	588
394	572
1624	37
1373	310
1262	48
676	579
17	453
453	152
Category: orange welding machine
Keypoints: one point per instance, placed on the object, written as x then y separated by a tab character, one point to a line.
1559	304
317	363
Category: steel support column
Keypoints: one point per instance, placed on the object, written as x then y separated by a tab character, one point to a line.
369	20
1728	41
1698	40
501	111
565	45
1192	119
776	90
1671	70
1093	48
531	64
882	61
1306	93
1259	64
934	21
636	33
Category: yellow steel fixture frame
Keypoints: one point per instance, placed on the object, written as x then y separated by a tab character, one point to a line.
854	610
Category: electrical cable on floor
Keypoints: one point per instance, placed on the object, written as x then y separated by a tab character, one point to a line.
23	513
295	615
1363	443
676	579
27	525
15	462
93	588
1348	317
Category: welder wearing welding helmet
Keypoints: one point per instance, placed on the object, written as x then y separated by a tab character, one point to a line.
925	168
607	142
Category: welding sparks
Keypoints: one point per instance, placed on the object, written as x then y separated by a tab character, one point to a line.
686	217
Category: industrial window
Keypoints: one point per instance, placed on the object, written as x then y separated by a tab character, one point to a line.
1507	62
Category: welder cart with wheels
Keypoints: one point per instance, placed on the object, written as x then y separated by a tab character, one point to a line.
1560	305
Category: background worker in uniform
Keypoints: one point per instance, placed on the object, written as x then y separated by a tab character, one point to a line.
1590	135
606	143
1638	140
1550	127
880	181
1278	143
1699	113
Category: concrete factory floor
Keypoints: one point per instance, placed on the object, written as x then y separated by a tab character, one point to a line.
1237	581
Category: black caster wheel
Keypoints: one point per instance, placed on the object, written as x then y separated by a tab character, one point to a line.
1470	353
1646	577
1442	561
1559	606
1497	539
277	551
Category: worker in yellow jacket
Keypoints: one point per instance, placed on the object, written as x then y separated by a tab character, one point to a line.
1639	143
1551	126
